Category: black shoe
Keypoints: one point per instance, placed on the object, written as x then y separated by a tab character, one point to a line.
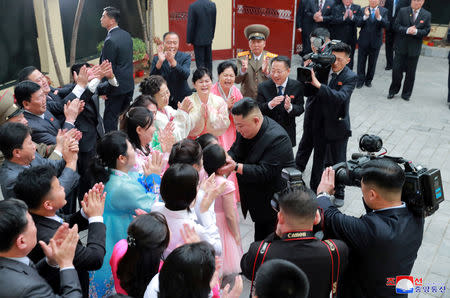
359	85
388	68
368	84
405	98
338	202
390	96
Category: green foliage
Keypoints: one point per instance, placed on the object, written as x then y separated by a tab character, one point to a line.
139	51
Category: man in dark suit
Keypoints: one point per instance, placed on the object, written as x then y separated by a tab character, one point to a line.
174	67
384	242
44	124
261	150
411	26
331	125
39	188
281	98
294	241
393	7
370	40
346	16
55	100
318	13
20	277
20	153
201	25
117	49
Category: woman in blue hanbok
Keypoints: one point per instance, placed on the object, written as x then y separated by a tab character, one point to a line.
125	192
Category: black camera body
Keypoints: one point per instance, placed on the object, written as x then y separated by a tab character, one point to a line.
293	179
318	61
422	190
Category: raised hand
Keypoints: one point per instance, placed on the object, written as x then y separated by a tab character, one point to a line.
377	13
287	103
72	110
93	203
161	54
154	165
367	12
166	137
265	65
186	105
82	78
62	253
237	289
189	234
276	101
107	70
244	64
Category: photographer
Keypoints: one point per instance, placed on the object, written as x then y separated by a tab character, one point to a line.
385	240
294	241
331	126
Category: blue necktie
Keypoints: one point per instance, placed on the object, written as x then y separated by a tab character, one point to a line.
280	90
372	13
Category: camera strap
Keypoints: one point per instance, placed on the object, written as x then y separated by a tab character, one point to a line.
335	264
260	256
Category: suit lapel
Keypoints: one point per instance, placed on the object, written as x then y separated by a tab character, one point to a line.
256	65
51	119
47	222
17	266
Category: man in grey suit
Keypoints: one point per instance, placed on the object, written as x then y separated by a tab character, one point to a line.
20	153
44	124
20	277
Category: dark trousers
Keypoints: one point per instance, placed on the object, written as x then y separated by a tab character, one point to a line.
352	56
403	63
114	106
265	228
306	42
203	56
336	152
84	160
389	43
306	144
364	54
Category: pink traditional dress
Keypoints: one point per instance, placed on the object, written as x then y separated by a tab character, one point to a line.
231	251
228	138
211	117
142	159
180	118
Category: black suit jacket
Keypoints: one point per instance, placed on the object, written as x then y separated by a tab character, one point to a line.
383	243
371	33
268	90
309	254
87	258
345	30
263	158
331	104
56	102
389	5
176	77
311	7
118	49
407	44
45	130
201	23
20	280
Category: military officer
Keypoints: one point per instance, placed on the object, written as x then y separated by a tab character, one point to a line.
253	65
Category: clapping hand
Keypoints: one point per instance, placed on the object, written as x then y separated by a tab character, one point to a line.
244	64
186	105
189	234
61	248
166	137
154	164
72	109
367	12
161	54
212	191
276	101
287	103
327	182
82	78
93	202
265	65
377	13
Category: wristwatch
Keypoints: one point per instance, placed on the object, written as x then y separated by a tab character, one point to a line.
323	193
236	167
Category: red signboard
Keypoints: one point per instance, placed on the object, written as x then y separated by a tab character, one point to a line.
279	16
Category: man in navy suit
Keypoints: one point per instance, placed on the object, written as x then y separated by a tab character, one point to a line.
174	67
201	26
383	242
411	26
370	40
117	49
393	7
346	16
331	119
281	98
44	124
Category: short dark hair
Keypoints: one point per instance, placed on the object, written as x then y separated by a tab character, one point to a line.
244	107
24	90
13	221
152	85
134	118
206	139
227	64
281	278
77	66
200	73
24	73
320	32
148	237
113	13
12	136
170	33
342	47
300	203
179	186
214	158
383	173
186	151
187	271
143	100
33	184
284	59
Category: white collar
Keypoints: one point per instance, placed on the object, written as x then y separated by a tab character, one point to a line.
112	29
40	116
24	260
337	73
416	10
257	57
403	205
55	218
284	83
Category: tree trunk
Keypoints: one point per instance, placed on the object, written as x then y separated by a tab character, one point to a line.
76	24
144	27
150	26
51	44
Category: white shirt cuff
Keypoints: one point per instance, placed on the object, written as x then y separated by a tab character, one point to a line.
241	72
57	152
91	219
113	82
290	109
67	268
365	17
48	263
379	19
78	91
93	85
270	107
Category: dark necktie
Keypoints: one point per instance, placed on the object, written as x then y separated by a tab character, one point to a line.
333	79
280	90
320	4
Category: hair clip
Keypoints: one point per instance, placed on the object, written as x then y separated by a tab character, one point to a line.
131	241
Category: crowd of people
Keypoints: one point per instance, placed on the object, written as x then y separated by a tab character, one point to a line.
158	180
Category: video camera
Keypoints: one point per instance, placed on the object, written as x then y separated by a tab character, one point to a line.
319	60
422	191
